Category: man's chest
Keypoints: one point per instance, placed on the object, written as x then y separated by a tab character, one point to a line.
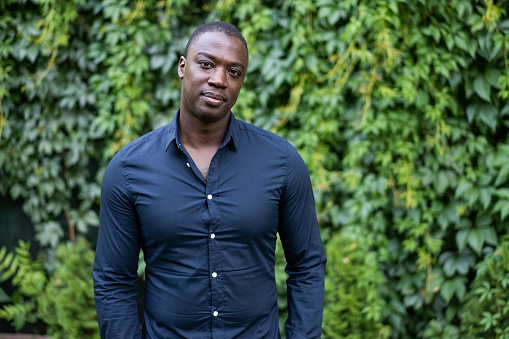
240	200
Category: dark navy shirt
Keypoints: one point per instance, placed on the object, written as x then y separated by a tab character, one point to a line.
208	244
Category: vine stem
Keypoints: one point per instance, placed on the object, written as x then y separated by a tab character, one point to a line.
429	272
506	66
72	227
369	92
3	92
499	309
133	14
3	119
68	219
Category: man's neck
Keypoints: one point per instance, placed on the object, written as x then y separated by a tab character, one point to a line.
196	134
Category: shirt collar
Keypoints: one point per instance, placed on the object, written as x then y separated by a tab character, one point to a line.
231	137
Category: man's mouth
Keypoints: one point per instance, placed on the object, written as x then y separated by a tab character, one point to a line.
213	99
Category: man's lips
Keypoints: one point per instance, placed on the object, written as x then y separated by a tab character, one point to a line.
213	98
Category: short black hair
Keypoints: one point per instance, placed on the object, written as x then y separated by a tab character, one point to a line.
216	26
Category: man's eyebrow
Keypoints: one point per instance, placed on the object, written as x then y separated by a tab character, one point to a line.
213	58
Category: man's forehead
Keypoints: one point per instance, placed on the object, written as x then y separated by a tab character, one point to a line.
210	42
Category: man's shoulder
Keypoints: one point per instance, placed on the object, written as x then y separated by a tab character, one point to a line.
271	143
262	135
148	143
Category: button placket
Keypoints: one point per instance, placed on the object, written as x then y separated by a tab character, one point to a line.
215	253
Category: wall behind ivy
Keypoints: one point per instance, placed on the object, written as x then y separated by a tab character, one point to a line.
399	109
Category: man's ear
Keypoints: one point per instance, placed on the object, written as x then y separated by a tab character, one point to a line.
181	67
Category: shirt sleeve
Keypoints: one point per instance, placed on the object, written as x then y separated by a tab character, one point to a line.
303	250
116	258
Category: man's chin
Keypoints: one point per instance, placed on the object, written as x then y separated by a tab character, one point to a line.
210	117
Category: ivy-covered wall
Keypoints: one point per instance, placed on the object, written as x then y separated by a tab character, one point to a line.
399	108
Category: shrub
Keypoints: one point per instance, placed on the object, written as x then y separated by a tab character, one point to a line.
353	308
64	300
67	304
486	312
29	278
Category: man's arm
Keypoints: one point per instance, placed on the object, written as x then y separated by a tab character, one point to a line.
304	252
116	258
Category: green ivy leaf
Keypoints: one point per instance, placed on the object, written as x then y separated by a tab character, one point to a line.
482	88
461	239
487	48
4	297
485	196
460	42
492	76
488	115
502	206
475	240
457	264
489	235
49	233
503	193
502	175
462	188
455	286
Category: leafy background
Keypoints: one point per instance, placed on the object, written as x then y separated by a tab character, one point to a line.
399	108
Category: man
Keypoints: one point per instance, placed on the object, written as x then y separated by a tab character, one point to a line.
205	197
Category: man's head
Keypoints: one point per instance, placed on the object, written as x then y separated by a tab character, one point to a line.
215	26
212	72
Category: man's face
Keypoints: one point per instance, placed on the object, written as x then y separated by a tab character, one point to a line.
212	75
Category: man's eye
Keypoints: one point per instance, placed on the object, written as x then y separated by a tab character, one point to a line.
234	72
206	64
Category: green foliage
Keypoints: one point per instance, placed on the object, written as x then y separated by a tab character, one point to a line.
68	305
30	279
399	109
3	296
486	310
281	277
439	330
353	304
64	300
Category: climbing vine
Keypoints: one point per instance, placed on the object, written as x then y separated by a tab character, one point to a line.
399	109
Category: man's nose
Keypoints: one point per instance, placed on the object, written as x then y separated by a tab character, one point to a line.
218	78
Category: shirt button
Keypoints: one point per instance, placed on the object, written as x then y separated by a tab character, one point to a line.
215	314
209	196
188	165
212	236
214	275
